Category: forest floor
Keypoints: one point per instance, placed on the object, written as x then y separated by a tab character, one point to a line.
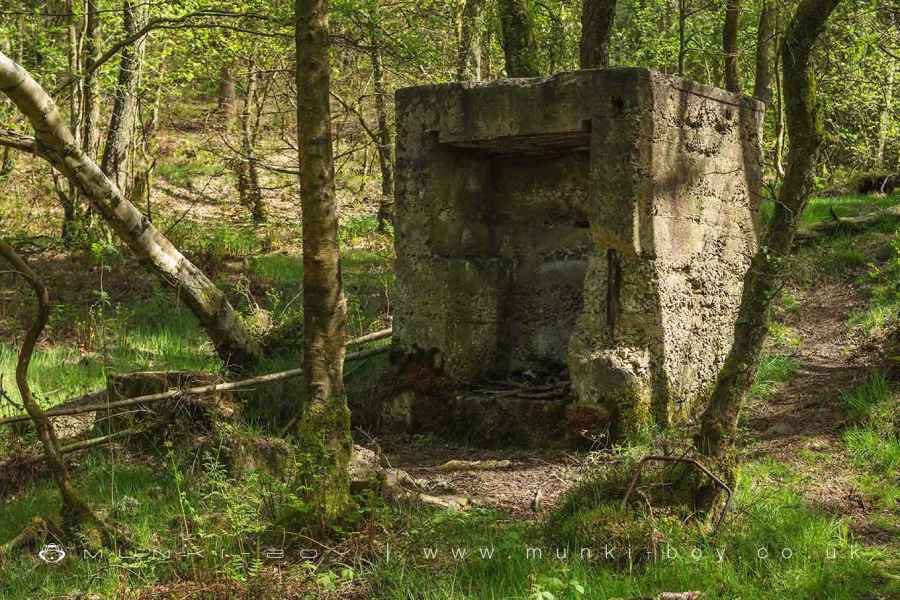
800	424
820	456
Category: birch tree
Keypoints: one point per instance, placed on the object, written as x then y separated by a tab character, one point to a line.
54	142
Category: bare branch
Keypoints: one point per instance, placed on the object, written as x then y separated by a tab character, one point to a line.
18	141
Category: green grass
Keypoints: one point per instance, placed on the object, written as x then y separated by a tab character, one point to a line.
185	168
845	252
141	496
768	519
881	317
772	545
773	371
873	440
784	336
819	209
187	520
116	339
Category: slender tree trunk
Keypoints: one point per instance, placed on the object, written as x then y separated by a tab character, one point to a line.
556	54
765	35
730	46
227	94
69	198
73	52
385	144
90	106
487	63
779	113
519	47
682	35
245	166
54	142
767	270
7	159
325	423
75	512
7	163
887	107
120	134
468	58
597	18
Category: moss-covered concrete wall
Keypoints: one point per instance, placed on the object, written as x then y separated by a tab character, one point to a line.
603	219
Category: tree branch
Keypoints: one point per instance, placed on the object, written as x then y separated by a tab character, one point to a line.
159	23
11	139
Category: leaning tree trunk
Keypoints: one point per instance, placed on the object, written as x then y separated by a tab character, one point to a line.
386	205
730	47
596	28
765	36
54	142
121	123
517	24
325	422
767	269
468	57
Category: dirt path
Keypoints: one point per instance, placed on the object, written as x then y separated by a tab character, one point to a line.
511	488
802	424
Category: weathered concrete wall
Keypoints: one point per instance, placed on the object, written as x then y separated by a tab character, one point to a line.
604	219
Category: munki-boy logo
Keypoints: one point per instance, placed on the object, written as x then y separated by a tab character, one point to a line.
52	554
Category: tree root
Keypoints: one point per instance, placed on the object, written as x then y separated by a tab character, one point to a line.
684	460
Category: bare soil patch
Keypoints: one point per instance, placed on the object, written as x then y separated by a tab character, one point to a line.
511	489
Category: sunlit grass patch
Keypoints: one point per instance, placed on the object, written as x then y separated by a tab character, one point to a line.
844	256
873	440
56	372
771	546
186	519
773	371
825	208
137	495
783	335
283	270
881	317
116	339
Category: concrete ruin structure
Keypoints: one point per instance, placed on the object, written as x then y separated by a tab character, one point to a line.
597	223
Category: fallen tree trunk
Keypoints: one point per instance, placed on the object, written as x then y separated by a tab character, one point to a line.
836	224
178	393
54	142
